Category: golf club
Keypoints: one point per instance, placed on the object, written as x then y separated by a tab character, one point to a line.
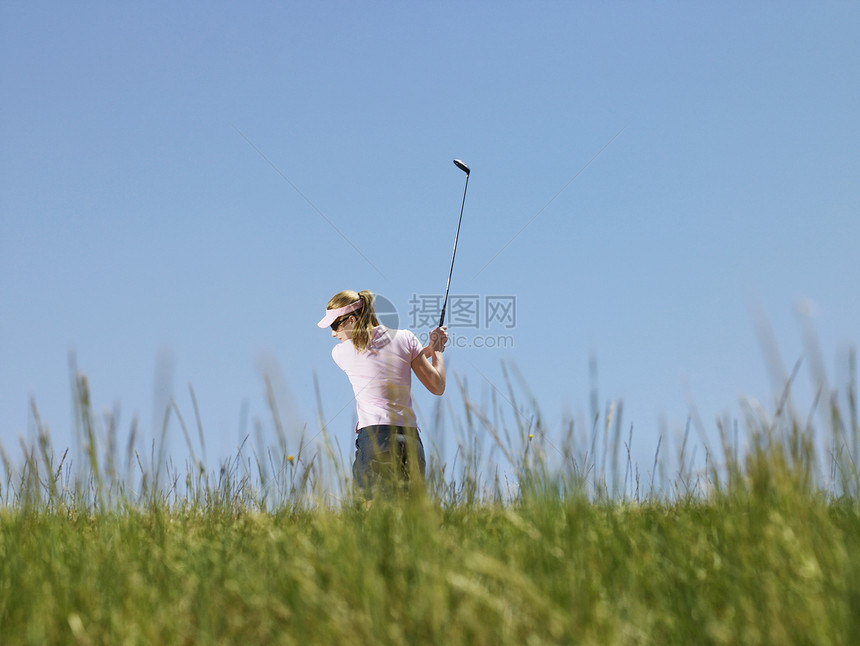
459	164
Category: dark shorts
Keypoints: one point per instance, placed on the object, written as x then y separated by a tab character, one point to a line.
387	454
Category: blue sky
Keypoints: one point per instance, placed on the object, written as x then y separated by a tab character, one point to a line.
183	187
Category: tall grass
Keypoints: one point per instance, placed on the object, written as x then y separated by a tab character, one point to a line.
568	542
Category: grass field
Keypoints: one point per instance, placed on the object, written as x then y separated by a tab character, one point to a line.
759	547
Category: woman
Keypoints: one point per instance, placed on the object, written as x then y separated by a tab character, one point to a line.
379	363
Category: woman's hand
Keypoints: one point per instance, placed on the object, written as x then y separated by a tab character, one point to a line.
438	339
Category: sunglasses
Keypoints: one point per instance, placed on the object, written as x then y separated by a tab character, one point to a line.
336	325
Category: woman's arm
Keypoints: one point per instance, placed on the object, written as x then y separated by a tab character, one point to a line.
429	366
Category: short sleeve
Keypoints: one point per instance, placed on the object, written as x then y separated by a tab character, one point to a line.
414	345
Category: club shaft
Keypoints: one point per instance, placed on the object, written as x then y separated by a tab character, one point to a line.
454	253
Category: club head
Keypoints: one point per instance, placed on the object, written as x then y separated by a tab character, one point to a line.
461	166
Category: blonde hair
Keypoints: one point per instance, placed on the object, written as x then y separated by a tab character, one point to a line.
365	315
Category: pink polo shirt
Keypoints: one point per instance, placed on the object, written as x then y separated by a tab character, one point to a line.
381	376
